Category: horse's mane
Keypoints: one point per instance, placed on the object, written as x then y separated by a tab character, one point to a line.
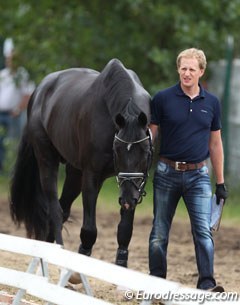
119	85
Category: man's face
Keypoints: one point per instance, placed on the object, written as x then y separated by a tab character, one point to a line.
189	72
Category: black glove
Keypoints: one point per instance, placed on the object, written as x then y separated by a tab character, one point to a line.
221	192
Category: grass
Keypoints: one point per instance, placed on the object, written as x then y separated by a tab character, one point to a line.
108	199
4	186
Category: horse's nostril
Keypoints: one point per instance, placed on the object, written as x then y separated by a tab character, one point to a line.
127	205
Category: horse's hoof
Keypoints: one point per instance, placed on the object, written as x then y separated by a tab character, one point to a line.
72	287
75	278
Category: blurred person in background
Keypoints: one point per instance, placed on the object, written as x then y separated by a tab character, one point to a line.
15	91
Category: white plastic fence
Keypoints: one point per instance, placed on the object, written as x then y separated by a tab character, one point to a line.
45	253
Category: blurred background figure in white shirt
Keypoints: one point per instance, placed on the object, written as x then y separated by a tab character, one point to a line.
15	91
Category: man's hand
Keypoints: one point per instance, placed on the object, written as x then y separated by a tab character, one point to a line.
221	192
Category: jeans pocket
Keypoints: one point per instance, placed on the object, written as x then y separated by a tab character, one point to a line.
161	167
203	170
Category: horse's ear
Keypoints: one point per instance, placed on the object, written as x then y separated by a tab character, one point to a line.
142	119
120	121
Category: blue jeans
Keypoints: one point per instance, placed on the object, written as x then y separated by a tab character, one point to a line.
5	120
195	188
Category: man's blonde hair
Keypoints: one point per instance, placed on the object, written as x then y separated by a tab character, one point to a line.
193	53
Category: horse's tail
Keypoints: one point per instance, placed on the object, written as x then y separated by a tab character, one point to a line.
27	202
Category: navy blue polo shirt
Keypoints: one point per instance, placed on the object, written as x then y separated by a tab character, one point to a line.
185	123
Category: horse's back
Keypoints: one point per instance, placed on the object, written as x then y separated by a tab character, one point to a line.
62	92
61	80
60	87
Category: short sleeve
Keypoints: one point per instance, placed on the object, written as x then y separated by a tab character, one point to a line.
155	110
216	122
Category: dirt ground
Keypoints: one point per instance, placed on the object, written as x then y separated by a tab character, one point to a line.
181	257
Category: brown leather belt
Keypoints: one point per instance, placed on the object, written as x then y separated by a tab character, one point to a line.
182	166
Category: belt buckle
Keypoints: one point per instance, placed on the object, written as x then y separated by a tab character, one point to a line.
177	163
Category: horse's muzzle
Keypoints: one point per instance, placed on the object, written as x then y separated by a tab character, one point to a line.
131	189
127	204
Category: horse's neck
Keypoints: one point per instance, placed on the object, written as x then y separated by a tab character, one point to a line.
119	95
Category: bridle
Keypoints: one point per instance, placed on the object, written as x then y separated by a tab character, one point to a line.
135	177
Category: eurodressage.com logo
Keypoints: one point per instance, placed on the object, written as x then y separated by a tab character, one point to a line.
200	298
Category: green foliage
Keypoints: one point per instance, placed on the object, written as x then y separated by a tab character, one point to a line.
11	147
145	35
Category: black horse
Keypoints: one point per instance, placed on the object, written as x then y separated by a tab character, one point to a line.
96	124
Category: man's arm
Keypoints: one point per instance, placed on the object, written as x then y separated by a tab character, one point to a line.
154	130
217	159
216	155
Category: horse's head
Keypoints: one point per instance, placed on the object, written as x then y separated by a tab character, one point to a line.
132	156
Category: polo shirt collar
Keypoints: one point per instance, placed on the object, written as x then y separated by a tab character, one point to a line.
180	92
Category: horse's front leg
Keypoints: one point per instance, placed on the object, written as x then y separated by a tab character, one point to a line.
124	235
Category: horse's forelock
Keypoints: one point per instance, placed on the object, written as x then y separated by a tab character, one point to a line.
132	126
131	110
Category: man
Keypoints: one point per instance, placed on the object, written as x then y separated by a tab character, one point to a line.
189	121
15	91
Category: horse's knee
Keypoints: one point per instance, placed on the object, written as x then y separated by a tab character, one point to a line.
88	239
